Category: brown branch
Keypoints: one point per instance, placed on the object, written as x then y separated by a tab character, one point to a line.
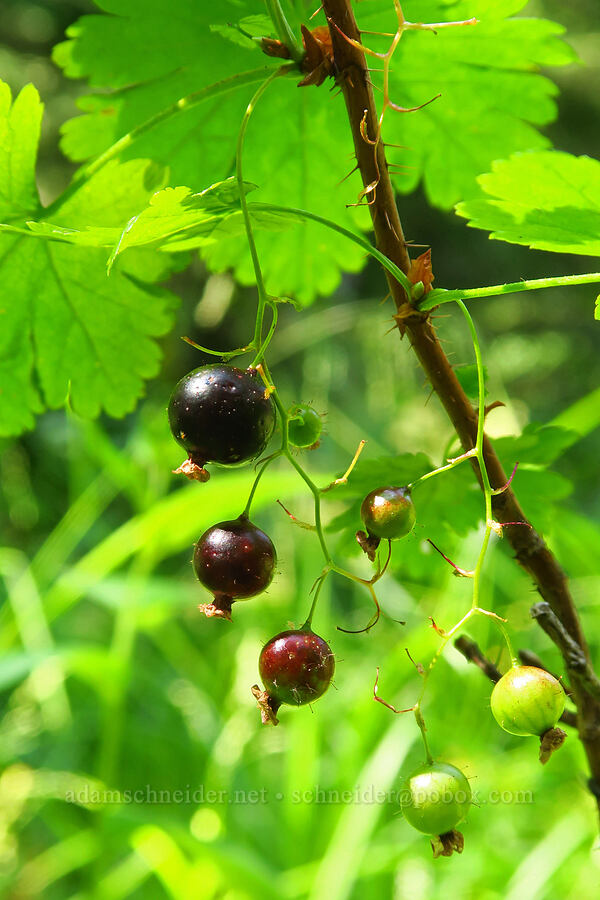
578	665
529	547
471	652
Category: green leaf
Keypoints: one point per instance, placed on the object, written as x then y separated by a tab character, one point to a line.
19	135
176	218
246	29
294	143
67	330
467	376
547	201
538	489
298	140
492	97
537	445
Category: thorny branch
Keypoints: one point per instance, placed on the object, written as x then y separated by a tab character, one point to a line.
530	548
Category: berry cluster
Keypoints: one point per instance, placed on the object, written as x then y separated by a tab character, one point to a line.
221	414
225	415
436	796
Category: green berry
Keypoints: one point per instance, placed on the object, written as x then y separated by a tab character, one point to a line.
435	798
304	426
388	512
527	701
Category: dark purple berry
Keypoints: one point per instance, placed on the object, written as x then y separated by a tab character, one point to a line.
296	667
220	414
235	560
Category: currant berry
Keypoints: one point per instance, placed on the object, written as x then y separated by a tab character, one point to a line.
435	798
388	512
304	426
235	560
296	667
527	701
220	414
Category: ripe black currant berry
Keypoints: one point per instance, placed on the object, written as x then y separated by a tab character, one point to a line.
388	513
220	414
304	426
296	667
235	560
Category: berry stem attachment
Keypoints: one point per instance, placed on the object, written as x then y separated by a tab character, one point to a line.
451	464
423	729
348	472
317	590
263	466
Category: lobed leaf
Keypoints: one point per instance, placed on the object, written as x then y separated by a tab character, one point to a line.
492	97
68	331
547	201
298	140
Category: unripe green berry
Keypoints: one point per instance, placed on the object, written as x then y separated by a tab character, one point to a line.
527	701
435	798
388	512
304	426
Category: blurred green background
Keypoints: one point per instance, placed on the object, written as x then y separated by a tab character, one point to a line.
111	680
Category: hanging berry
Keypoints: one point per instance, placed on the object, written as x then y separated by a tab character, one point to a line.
220	414
529	701
387	513
235	560
296	667
435	798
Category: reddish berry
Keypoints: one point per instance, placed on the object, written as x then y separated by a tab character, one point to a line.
220	414
235	560
296	667
527	701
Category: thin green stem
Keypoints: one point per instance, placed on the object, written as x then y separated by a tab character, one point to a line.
317	498
264	465
451	465
260	283
477	452
423	730
313	606
265	344
284	31
387	264
439	296
487	488
286	451
225	354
